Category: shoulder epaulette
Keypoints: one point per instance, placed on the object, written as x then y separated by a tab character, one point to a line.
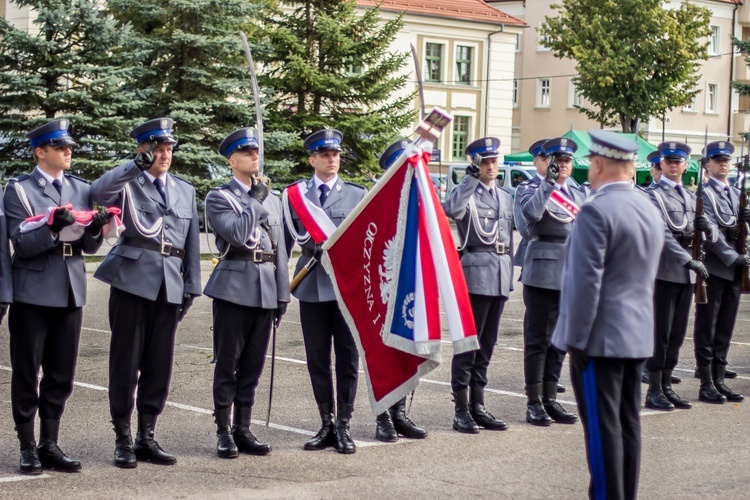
355	185
181	178
71	176
295	182
219	188
20	178
525	183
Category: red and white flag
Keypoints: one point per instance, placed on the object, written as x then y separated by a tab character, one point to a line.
83	218
391	262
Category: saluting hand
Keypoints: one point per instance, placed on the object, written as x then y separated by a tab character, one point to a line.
553	172
145	159
473	169
698	267
259	191
62	219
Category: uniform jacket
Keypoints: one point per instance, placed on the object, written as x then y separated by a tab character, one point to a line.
677	211
245	282
141	271
317	286
40	274
520	223
6	272
486	273
606	304
544	259
723	211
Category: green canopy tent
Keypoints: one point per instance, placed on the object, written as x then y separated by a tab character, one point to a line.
581	162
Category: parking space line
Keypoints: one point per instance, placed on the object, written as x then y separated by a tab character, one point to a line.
14	479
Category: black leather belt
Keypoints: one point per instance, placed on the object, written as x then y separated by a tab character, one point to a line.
686	240
549	239
499	248
731	233
66	249
165	248
256	256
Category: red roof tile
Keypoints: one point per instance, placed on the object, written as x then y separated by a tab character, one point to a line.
464	10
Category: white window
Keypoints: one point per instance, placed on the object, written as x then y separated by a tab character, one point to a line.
712	98
713	41
574	97
515	93
433	61
690	106
543	93
543	41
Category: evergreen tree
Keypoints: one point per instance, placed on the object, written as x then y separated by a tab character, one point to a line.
70	65
196	73
329	64
635	58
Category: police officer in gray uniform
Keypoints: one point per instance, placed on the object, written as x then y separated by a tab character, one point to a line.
250	288
154	273
395	421
655	159
540	161
484	219
714	321
673	291
320	316
606	319
549	220
49	293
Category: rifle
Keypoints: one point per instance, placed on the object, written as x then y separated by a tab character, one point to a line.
701	294
742	165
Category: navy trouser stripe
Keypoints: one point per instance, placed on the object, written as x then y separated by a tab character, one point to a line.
596	453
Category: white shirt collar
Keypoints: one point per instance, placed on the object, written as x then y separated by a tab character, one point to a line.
245	186
163	178
722	185
49	177
318	181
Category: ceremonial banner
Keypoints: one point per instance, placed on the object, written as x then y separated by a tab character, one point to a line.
390	262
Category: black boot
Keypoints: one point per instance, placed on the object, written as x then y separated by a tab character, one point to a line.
385	431
326	436
673	397
560	388
719	376
146	448
655	398
708	392
344	442
463	421
403	424
50	455
124	454
29	455
480	414
554	409
535	412
727	373
245	440
225	447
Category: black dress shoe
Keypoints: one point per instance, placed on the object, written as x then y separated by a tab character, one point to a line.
247	443
30	463
537	415
676	400
729	373
385	431
675	379
462	419
225	445
733	397
52	457
656	400
344	442
485	419
325	438
557	413
147	449
403	424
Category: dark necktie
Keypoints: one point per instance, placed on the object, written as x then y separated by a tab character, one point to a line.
678	188
323	193
58	185
562	188
160	187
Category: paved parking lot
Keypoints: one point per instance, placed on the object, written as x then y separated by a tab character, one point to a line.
686	454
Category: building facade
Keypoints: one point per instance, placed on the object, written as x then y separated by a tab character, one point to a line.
545	96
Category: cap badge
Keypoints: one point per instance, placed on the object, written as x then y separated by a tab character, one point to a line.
164	122
672	145
488	142
250	133
722	145
329	133
63	124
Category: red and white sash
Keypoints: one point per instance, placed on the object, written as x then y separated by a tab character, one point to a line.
564	203
315	221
